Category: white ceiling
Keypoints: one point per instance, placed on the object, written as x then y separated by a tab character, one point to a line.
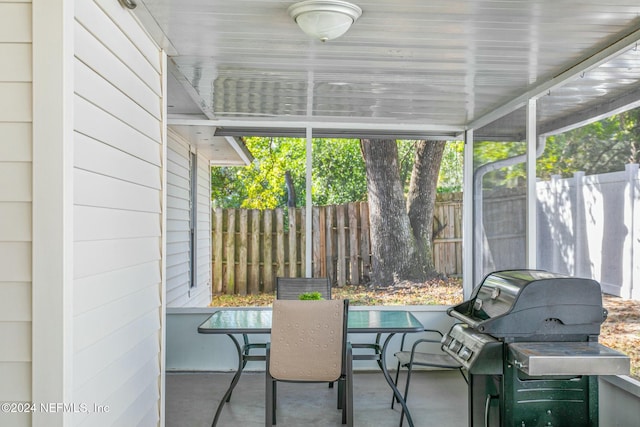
407	68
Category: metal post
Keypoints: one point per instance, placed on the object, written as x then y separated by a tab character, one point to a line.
308	207
531	234
468	279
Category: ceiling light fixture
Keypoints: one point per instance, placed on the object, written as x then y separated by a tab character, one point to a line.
129	4
324	19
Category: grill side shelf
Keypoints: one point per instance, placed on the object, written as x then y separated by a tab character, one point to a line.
567	358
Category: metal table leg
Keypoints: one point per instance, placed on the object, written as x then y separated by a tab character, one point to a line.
387	377
243	358
234	381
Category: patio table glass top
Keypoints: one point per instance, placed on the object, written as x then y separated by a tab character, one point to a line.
258	321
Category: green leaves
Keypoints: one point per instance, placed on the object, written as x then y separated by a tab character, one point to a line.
338	174
601	147
310	296
451	168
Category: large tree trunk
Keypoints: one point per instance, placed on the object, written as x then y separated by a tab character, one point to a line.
395	256
421	199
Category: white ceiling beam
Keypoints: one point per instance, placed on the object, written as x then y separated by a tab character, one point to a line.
241	149
302	125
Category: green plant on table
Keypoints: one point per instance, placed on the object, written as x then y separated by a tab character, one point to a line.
308	296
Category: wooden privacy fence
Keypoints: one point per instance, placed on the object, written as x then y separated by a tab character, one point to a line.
252	247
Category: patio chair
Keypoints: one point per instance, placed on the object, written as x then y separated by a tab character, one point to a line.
309	344
291	287
409	359
287	288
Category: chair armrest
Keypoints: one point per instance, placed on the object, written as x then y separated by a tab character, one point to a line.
421	340
431	340
434	336
434	359
434	331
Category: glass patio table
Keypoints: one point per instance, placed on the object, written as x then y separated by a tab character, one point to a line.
258	321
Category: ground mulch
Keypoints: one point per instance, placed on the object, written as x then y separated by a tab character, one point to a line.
620	331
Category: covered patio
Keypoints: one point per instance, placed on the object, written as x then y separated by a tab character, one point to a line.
112	111
475	71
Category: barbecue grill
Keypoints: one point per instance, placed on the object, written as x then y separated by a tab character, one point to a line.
529	341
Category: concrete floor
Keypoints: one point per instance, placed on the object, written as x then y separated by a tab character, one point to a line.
437	398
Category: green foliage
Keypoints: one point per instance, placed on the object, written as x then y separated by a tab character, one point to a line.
451	171
309	296
225	190
338	173
600	147
261	184
489	151
451	168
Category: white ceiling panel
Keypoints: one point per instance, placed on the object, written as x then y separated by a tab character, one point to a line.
406	67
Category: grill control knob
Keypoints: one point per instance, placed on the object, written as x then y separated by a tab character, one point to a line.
455	346
465	353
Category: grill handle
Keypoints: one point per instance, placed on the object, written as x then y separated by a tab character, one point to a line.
466	319
487	406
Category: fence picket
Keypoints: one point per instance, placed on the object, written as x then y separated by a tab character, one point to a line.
241	274
341	267
317	258
329	242
293	244
354	268
267	253
229	285
253	285
365	243
280	265
216	242
302	238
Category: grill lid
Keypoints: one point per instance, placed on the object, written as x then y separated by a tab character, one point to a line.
534	304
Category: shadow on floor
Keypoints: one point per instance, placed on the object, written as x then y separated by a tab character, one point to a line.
437	398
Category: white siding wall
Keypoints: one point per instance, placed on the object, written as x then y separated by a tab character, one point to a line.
15	208
117	217
179	292
203	236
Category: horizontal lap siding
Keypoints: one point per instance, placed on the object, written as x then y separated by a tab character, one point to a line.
202	294
15	208
178	220
179	294
117	216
